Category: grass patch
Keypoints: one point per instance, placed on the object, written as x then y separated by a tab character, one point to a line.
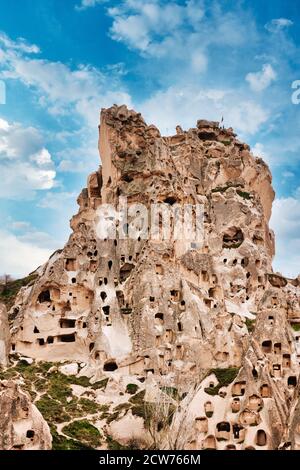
84	432
114	445
295	326
250	324
244	194
224	377
138	398
63	443
10	291
52	410
101	384
132	388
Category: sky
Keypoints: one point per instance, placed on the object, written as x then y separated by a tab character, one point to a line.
173	61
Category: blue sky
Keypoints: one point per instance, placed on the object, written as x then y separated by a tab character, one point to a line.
175	61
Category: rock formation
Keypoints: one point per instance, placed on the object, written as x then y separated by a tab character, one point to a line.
171	313
22	425
4	336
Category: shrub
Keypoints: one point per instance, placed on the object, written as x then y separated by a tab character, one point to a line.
132	388
83	431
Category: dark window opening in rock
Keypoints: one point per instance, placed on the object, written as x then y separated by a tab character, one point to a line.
84	325
266	346
73	280
120	297
30	434
211	292
292	381
174	295
160	316
41	341
245	262
67	323
261	438
36	330
125	271
108	181
103	296
205	135
170	200
239	388
236	428
115	242
100	281
106	309
70	294
234	262
271	319
67	338
248	275
50	340
123	258
91	346
95	252
151	299
110	263
105	281
179	326
110	366
254	373
158	269
286	360
225	260
127	178
182	303
233	238
13	347
44	296
224	426
277	348
70	264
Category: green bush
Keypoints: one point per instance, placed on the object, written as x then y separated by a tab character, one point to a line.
84	432
132	388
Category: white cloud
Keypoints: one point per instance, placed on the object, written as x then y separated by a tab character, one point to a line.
278	24
88	4
20	257
25	164
58	200
259	81
184	105
19	45
61	89
259	150
285	222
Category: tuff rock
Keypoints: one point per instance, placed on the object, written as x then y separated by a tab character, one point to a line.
170	314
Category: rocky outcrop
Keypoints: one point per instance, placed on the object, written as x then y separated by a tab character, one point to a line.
4	336
166	306
22	425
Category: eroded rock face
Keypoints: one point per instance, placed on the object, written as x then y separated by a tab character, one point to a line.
174	309
22	425
4	336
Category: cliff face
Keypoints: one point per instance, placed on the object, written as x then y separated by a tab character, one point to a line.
22	425
162	313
